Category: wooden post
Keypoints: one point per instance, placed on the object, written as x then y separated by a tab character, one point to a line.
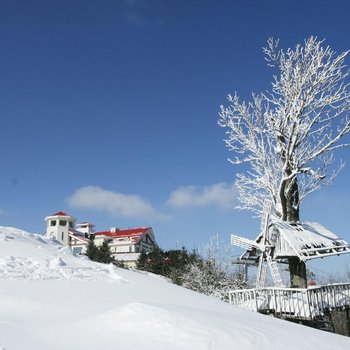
347	310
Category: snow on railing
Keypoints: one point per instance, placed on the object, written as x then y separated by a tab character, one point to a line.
331	296
292	302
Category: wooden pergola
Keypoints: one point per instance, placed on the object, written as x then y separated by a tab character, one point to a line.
277	242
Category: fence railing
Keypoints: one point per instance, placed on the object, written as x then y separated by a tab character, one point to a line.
307	304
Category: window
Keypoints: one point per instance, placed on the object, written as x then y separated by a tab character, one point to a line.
62	236
53	223
70	224
63	222
77	250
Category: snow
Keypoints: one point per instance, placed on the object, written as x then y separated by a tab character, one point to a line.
308	240
50	299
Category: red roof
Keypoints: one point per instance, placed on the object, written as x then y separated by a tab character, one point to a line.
60	213
133	233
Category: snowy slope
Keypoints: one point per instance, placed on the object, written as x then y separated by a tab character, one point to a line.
50	299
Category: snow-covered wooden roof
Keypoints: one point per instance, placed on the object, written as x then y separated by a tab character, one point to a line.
306	240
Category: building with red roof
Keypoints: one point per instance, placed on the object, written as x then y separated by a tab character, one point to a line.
125	244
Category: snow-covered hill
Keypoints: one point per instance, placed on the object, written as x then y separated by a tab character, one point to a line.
51	300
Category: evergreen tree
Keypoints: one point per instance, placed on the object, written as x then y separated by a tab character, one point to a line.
120	263
104	254
155	262
178	260
91	250
206	275
142	261
170	263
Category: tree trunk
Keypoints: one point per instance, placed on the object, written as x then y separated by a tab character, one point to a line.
297	270
292	200
289	196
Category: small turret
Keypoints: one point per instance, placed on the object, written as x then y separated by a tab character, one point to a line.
58	226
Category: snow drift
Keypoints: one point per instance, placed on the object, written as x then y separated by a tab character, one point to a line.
51	300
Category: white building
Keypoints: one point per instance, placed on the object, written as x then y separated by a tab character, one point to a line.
59	226
125	245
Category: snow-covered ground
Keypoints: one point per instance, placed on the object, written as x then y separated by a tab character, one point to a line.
51	300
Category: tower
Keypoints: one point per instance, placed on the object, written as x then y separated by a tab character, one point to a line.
58	226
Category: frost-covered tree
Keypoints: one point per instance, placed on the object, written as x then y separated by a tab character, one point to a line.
286	137
210	278
211	271
206	273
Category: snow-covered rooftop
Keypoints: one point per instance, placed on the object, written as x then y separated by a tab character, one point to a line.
308	240
132	234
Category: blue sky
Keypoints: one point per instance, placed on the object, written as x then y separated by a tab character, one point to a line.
109	110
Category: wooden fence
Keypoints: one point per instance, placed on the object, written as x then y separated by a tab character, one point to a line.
292	303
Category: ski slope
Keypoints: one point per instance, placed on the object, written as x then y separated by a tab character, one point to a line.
51	300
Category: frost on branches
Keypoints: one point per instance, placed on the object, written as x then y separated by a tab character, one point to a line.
287	136
211	272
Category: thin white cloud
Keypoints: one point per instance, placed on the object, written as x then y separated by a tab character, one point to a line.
116	204
221	195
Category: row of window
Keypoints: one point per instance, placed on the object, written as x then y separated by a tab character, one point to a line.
131	250
78	250
60	223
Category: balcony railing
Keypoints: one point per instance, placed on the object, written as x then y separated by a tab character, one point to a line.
306	304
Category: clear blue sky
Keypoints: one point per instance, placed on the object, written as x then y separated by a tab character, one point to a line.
109	110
